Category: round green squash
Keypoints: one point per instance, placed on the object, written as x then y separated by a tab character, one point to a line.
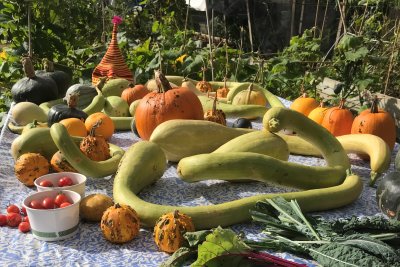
115	106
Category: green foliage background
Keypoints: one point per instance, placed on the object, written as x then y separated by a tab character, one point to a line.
74	34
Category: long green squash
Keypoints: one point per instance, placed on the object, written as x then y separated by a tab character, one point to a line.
144	163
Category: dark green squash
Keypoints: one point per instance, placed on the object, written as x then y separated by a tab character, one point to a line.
388	195
242	123
61	78
62	111
32	88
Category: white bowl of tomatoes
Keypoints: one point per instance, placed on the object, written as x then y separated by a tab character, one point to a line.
62	181
53	215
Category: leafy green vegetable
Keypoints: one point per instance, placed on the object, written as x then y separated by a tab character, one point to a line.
344	242
221	241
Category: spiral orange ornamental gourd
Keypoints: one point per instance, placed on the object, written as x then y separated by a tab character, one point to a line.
169	230
215	115
338	120
377	122
304	104
166	104
203	85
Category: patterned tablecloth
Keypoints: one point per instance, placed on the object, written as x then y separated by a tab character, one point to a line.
89	248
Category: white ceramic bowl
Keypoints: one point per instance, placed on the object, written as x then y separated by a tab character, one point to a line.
78	179
53	224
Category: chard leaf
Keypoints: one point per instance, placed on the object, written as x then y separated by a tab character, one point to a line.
341	255
220	242
372	246
180	257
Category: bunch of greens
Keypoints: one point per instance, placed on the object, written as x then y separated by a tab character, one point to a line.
365	241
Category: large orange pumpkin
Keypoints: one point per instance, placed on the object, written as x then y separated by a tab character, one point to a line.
304	104
377	122
317	114
338	120
133	93
166	104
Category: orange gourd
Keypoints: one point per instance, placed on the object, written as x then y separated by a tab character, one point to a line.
377	122
105	130
133	93
75	126
203	85
30	166
120	224
166	104
223	91
215	115
60	164
169	230
318	113
304	104
95	147
338	120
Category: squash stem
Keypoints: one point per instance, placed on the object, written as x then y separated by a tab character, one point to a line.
28	67
162	82
48	65
374	106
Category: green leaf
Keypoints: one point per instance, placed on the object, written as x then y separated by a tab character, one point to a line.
179	257
196	238
155	26
219	242
357	55
341	255
372	246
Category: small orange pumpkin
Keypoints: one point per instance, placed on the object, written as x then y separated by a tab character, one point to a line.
105	130
30	166
223	91
203	85
133	93
169	230
338	120
120	224
318	113
377	122
304	104
60	164
75	126
166	104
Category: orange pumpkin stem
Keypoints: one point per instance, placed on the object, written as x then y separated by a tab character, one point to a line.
374	106
162	82
94	127
341	103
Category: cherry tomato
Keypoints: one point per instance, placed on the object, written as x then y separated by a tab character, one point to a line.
46	183
3	219
12	209
36	204
48	203
60	198
13	219
23	211
65	204
25	219
24	227
65	181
